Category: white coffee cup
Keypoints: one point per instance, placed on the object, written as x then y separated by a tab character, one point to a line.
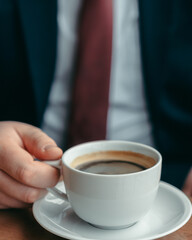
110	201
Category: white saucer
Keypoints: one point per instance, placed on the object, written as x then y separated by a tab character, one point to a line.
171	210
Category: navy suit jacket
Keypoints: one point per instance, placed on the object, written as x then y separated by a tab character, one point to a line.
28	41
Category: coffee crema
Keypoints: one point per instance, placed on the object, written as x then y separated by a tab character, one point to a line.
113	162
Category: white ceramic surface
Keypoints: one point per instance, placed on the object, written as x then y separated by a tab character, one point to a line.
170	211
93	196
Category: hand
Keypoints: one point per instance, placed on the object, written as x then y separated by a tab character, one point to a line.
187	187
23	180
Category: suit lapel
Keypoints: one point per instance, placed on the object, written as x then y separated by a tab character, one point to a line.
38	20
154	30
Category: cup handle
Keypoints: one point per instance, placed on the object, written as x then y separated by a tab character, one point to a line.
55	191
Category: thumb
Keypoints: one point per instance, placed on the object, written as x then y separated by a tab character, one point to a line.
38	143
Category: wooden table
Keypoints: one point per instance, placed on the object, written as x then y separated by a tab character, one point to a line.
21	225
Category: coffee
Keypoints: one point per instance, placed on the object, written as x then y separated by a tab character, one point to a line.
113	162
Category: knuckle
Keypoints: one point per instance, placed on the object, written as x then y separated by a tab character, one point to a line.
36	137
24	175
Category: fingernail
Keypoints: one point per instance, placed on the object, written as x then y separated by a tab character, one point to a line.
48	147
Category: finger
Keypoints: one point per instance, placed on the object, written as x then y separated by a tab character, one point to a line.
38	143
187	188
19	164
18	191
8	202
3	207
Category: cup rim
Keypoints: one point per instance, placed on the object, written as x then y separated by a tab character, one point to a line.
159	162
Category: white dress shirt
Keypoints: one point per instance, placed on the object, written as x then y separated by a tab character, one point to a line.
127	115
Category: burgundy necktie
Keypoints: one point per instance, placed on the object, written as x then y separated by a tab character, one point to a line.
91	86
